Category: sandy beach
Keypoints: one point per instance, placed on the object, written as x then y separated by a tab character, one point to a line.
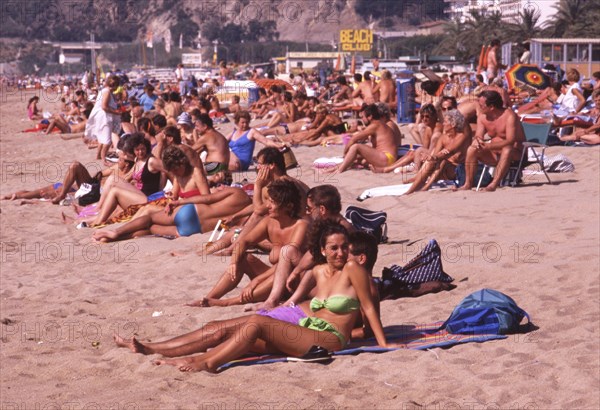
63	296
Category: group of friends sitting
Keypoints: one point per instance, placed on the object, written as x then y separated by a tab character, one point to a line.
312	250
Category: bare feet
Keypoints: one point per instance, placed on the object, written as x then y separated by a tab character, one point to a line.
132	344
185	364
490	188
105	236
464	188
10	197
199	303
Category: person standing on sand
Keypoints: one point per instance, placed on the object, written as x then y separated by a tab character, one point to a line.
103	117
493	65
506	144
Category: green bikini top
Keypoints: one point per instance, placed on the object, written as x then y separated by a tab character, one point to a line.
335	304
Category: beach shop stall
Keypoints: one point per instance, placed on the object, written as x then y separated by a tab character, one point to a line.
580	53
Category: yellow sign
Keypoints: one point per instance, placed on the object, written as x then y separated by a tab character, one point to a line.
356	40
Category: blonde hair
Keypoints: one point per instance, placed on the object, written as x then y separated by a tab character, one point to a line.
573	75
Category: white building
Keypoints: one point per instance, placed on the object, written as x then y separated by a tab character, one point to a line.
509	9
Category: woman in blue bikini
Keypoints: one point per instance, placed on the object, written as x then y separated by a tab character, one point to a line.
242	141
343	289
190	212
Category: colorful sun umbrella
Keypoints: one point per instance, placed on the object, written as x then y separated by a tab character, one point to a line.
528	74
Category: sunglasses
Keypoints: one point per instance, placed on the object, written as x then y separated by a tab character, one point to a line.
446	108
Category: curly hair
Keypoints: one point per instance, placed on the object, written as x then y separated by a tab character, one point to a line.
286	195
173	157
457	118
317	237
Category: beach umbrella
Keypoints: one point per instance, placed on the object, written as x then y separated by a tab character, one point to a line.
266	83
338	63
482	58
529	75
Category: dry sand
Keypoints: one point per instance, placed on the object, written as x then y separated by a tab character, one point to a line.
63	296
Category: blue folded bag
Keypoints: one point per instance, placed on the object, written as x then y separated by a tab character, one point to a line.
486	311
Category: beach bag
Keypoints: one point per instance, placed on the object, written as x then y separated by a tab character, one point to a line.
461	176
421	275
88	193
486	311
289	158
372	222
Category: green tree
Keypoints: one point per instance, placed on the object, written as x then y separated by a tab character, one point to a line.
575	18
527	25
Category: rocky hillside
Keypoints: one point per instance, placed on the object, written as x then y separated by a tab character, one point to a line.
315	21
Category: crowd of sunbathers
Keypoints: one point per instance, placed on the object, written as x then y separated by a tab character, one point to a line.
171	177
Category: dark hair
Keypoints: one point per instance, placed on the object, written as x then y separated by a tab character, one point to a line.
319	232
236	98
341	80
34	98
492	98
271	155
326	195
173	132
173	156
276	89
430	87
451	99
361	243
429	109
174	96
144	124
139	139
479	78
205	119
495	42
159	121
596	74
372	111
287	96
125	144
285	194
241	114
358	77
367	76
125	116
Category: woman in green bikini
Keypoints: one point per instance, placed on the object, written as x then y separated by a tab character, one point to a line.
343	288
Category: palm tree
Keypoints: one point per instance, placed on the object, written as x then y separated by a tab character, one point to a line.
570	17
527	25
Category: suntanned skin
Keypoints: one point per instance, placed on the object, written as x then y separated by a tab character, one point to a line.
450	151
382	138
506	145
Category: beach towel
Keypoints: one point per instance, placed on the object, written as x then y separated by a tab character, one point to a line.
424	269
414	337
389	190
325	162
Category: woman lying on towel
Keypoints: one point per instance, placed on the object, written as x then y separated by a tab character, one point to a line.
190	213
343	290
284	228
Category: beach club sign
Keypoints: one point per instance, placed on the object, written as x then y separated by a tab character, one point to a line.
356	40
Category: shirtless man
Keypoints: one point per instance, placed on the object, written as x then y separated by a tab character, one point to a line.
364	91
386	89
492	61
216	146
448	153
506	145
383	152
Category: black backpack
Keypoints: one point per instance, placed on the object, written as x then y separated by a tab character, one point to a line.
372	222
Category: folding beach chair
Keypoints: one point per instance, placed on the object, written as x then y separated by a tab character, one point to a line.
536	136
